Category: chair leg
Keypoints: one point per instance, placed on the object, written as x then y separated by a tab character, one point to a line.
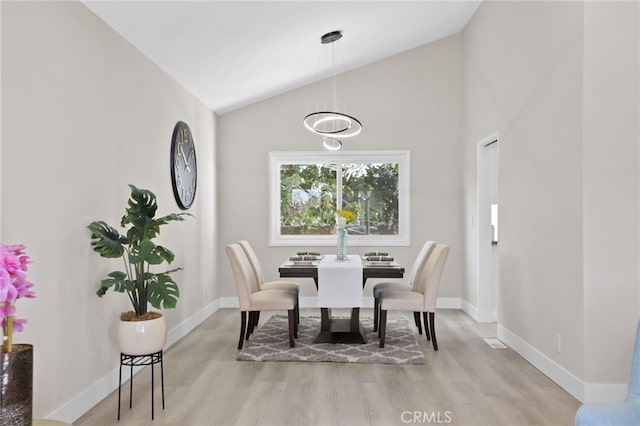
432	317
426	326
243	324
383	326
292	326
297	310
250	324
376	306
296	315
416	318
257	319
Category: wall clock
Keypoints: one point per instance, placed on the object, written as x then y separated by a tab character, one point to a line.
184	170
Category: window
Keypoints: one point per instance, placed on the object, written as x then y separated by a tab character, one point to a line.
306	189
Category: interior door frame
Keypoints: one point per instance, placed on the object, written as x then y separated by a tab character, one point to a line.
484	237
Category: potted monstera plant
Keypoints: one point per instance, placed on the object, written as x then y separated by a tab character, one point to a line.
140	331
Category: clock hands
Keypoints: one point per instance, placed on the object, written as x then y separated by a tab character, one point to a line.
186	159
191	151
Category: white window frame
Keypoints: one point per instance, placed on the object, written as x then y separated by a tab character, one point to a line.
277	159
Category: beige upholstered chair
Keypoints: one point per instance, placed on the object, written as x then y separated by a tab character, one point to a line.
422	298
253	300
271	285
382	287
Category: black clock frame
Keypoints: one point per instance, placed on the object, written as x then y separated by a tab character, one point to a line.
175	139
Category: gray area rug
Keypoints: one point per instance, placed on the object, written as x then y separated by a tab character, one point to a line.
271	343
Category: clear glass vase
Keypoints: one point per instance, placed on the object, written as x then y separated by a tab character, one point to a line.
342	244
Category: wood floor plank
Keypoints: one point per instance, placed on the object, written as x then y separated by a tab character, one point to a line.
466	382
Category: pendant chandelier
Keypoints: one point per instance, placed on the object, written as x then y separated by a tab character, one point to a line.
330	124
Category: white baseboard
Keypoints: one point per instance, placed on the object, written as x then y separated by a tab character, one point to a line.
470	310
449	303
181	330
550	368
476	314
582	391
229	302
310	302
73	409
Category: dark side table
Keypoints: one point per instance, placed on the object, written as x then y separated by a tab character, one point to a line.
140	361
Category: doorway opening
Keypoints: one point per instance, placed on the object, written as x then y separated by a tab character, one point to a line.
488	229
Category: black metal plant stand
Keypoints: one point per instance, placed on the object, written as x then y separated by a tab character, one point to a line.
140	361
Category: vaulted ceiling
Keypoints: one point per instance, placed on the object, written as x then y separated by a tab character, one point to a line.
233	53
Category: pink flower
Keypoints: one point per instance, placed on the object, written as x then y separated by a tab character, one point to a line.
18	324
15	248
7	309
13	259
23	289
8	292
14	284
23	262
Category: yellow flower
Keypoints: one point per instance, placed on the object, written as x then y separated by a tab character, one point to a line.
348	216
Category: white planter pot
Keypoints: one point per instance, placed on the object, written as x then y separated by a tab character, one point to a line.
142	337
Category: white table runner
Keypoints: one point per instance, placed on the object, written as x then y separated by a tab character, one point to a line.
340	283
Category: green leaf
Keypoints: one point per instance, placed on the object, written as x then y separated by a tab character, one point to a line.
106	240
140	213
146	252
163	292
118	281
165	253
172	217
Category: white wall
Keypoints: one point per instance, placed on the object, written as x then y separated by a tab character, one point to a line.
410	101
611	201
559	82
83	115
522	70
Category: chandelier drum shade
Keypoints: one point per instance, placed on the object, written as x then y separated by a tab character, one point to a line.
329	123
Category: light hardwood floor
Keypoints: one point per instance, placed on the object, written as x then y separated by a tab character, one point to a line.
465	383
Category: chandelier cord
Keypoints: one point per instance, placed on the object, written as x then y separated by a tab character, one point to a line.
328	122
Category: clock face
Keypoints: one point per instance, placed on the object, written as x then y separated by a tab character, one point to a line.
184	171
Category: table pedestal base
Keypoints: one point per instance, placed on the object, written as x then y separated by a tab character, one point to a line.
340	330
